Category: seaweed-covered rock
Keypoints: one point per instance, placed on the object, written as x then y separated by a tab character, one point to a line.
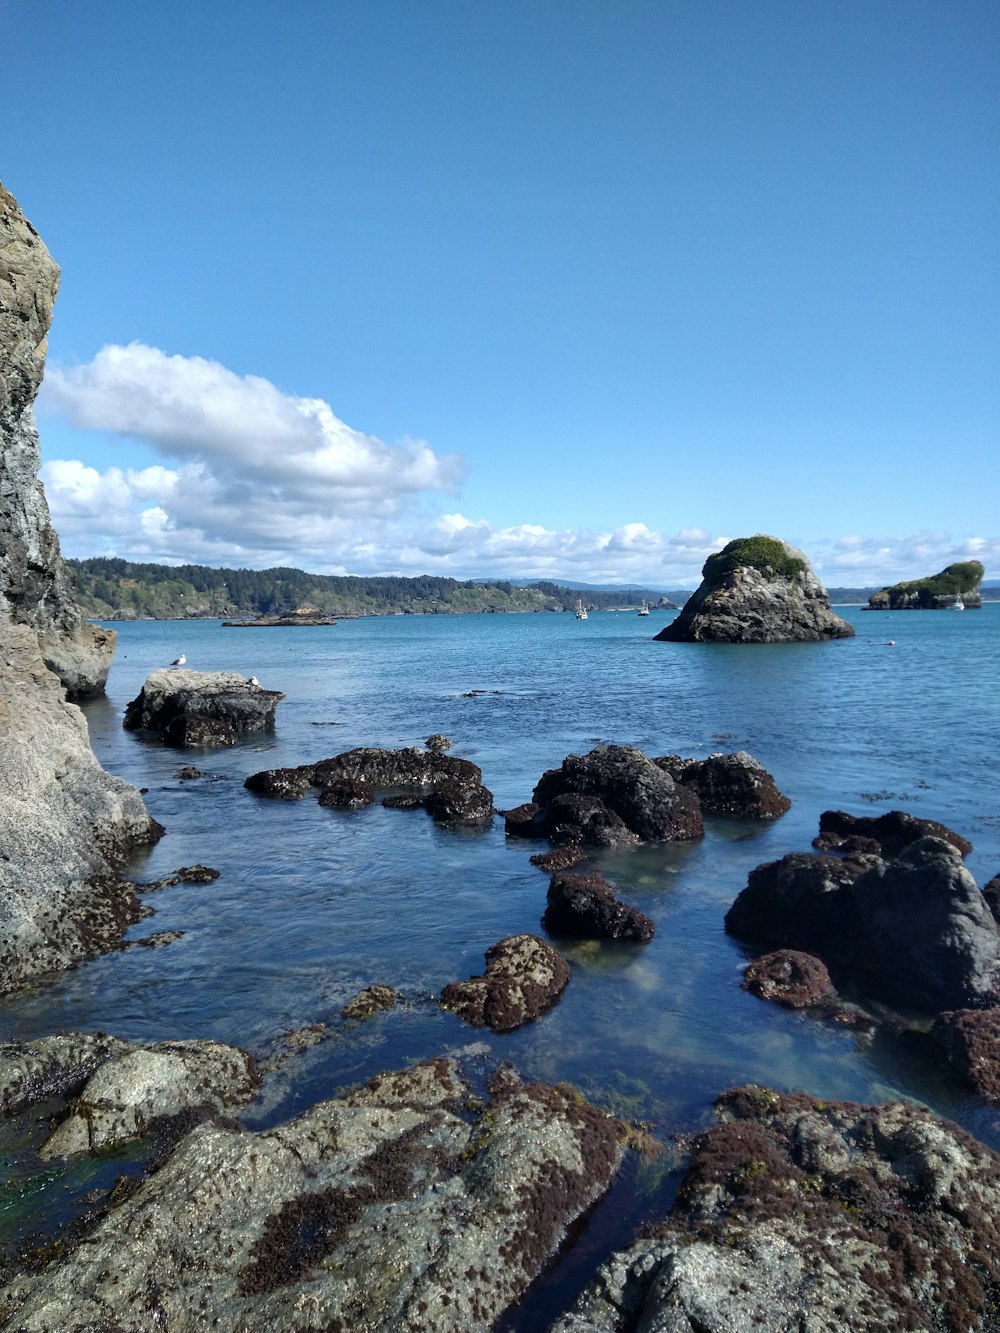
133	1089
285	784
796	1214
369	1001
408	767
789	977
454	801
970	1039
201	708
524	977
391	1208
757	590
893	832
915	932
347	794
31	1071
613	796
585	905
729	784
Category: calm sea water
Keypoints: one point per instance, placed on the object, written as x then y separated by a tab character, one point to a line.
312	904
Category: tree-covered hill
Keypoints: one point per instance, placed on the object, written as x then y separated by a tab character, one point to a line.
115	589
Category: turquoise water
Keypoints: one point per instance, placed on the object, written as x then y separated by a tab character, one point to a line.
312	904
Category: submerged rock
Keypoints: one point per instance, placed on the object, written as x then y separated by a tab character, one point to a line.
524	977
757	590
615	796
195	708
729	784
585	905
797	1214
391	1208
369	1001
789	977
130	1091
915	932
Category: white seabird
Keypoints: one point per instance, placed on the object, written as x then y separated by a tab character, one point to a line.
252	680
179	661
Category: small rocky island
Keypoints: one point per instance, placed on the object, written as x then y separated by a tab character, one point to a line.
757	590
956	588
295	619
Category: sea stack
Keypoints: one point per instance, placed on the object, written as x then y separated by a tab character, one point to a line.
757	590
65	824
956	588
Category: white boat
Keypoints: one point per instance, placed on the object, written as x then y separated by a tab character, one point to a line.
957	604
581	610
643	610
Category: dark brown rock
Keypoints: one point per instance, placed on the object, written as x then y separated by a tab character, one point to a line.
347	794
970	1039
369	1001
405	800
201	708
586	906
454	801
991	892
524	977
559	858
894	831
790	978
795	903
729	784
410	767
285	784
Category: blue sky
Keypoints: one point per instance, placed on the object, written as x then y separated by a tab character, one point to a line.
559	289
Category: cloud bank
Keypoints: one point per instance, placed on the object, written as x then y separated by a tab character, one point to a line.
253	476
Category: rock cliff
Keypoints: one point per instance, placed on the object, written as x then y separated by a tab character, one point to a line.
757	590
956	588
64	823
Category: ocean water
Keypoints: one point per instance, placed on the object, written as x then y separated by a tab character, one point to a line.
312	904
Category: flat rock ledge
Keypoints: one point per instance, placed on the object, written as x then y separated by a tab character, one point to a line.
524	977
800	1214
757	590
451	790
201	708
394	1208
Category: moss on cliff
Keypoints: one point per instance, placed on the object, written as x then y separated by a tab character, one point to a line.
962	577
758	552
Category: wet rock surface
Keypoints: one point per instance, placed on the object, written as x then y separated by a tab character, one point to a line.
347	794
371	1000
991	892
285	784
970	1040
201	708
757	590
729	784
892	832
799	1214
586	906
392	1209
790	978
915	932
133	1089
524	977
31	1071
615	796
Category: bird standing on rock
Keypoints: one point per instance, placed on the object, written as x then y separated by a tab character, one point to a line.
179	661
252	680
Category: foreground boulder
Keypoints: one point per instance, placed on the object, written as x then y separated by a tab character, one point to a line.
729	784
391	1208
66	826
915	932
586	906
615	796
757	590
524	977
190	708
796	1214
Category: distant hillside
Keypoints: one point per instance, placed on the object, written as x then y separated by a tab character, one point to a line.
114	589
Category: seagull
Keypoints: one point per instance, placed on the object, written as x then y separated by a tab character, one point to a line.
252	680
179	661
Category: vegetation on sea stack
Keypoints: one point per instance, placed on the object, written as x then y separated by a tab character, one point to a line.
961	579
758	552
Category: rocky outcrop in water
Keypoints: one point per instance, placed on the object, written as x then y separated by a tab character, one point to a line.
451	790
615	796
585	906
799	1214
201	708
729	784
957	587
889	834
394	1208
915	932
757	590
65	824
790	978
524	977
970	1042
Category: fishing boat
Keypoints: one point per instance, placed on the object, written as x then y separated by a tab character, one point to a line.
643	610
957	604
581	610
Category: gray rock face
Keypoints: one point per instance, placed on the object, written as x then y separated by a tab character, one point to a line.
524	976
915	932
133	1088
31	1071
198	708
36	585
64	823
387	1210
742	602
615	796
800	1215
